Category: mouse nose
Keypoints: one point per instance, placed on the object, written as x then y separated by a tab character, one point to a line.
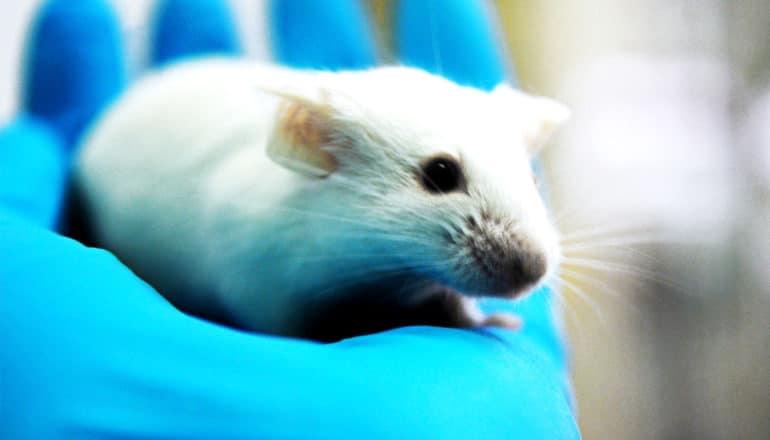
523	269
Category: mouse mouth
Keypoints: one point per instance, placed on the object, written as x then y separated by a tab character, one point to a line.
510	275
478	280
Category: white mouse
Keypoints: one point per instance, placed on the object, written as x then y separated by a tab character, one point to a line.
318	204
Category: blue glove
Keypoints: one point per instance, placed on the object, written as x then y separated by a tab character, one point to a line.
89	350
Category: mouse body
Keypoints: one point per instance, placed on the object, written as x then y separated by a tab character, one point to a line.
276	198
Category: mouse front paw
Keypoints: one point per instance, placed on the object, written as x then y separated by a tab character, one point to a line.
461	311
502	320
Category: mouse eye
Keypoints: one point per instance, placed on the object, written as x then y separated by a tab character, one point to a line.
441	175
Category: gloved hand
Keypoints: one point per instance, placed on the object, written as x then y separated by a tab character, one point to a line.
88	350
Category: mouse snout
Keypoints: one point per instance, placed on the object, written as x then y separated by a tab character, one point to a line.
508	260
522	270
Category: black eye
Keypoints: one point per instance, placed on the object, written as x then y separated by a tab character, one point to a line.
441	175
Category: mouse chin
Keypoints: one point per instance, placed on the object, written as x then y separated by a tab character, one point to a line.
477	281
513	293
481	286
518	293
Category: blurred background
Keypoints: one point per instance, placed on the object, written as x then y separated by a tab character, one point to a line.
660	185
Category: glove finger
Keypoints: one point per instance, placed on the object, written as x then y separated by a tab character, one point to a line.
453	38
321	34
74	65
184	28
32	171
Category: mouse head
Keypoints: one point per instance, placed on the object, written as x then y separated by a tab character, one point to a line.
439	174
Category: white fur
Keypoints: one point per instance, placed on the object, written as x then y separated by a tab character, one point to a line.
180	188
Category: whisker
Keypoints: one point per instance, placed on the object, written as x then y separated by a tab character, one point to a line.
605	232
604	287
613	242
571	314
580	293
606	266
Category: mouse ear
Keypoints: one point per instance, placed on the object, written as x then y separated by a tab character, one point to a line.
303	132
539	117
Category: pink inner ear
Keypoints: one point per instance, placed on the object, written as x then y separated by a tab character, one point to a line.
304	125
302	130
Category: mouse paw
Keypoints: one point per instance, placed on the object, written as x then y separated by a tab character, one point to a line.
502	320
